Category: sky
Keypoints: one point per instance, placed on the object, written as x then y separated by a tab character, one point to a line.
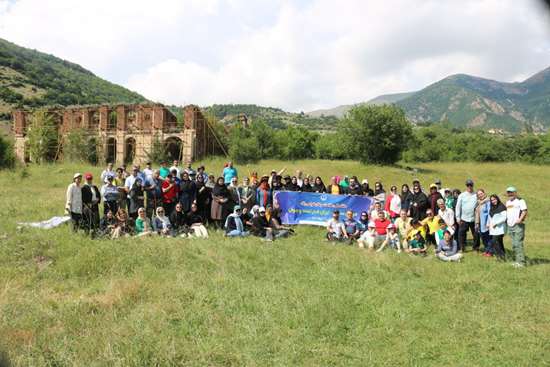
297	55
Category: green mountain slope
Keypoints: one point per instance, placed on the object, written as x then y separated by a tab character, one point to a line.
30	78
275	117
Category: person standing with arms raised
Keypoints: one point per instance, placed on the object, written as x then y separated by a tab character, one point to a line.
516	213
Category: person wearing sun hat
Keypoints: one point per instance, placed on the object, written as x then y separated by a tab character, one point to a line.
516	213
73	204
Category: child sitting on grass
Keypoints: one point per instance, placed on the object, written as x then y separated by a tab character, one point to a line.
368	238
392	239
417	243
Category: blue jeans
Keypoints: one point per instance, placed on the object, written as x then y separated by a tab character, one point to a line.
237	233
487	244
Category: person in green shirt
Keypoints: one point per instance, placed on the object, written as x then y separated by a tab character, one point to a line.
164	170
143	224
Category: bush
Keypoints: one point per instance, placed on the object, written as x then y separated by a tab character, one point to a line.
42	138
7	156
332	146
377	134
296	143
158	152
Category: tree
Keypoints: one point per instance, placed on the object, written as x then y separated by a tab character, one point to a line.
296	142
42	137
377	134
7	157
243	146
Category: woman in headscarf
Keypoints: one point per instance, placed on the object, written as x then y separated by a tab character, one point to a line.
319	186
187	190
379	193
121	228
306	185
293	185
367	191
497	225
344	185
248	194
143	224
196	222
178	221
220	202
419	204
234	226
137	198
263	193
203	198
161	223
406	197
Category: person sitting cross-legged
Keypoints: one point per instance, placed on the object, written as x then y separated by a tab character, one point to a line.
161	223
234	226
447	250
143	224
352	226
416	239
335	228
368	237
195	222
260	226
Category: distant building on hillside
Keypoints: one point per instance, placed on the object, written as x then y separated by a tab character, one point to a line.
126	133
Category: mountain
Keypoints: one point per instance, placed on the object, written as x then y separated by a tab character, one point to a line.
473	102
340	111
29	78
275	117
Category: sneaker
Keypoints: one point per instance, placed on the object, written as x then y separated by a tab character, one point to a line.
518	265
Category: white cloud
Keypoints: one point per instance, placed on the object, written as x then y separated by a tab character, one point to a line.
298	55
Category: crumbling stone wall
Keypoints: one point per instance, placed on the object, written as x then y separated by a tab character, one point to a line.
129	131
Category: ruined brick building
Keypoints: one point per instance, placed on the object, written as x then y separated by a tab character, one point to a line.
126	133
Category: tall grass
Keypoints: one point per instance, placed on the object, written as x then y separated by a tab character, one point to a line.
67	300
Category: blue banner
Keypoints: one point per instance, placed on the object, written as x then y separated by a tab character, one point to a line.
316	209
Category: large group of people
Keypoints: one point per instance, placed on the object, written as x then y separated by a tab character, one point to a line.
184	202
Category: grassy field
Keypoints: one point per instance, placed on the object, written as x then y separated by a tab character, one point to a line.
67	300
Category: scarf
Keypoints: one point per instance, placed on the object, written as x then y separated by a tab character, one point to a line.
220	190
495	209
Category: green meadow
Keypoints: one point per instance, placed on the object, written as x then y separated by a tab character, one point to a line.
67	300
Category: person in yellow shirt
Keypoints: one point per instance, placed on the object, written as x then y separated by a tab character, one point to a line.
432	225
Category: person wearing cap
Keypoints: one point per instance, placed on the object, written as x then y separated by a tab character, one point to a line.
433	197
482	221
73	204
392	239
447	248
368	238
90	204
465	215
110	194
335	228
229	172
516	213
234	226
107	172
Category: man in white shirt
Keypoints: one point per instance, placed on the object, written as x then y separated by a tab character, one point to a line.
175	166
131	179
148	172
73	206
107	172
335	228
516	213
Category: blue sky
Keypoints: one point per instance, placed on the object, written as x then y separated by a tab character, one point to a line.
298	55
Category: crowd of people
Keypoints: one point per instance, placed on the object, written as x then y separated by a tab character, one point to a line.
181	201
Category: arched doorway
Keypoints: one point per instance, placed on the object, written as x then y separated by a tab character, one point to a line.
129	150
110	150
173	147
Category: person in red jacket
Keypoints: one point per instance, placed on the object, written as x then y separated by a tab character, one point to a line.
381	225
393	204
169	194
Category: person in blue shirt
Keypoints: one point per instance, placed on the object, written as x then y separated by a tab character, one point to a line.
228	173
466	204
482	221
